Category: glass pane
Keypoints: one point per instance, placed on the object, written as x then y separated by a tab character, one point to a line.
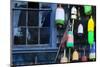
45	5
33	36
19	36
15	18
45	20
22	18
18	18
33	5
44	35
33	18
19	4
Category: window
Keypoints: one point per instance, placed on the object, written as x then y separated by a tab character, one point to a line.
31	23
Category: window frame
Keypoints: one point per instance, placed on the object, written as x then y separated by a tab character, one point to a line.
50	44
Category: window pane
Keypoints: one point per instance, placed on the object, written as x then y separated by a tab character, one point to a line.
33	5
44	35
15	18
45	5
33	18
19	18
22	18
33	36
19	36
45	19
19	4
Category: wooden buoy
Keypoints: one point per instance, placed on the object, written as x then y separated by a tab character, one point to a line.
87	9
70	40
74	13
91	31
84	57
80	26
73	16
60	16
92	55
75	55
91	24
64	59
80	29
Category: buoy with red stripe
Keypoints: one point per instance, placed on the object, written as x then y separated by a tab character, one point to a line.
70	42
60	16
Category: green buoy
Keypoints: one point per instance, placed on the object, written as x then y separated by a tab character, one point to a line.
87	9
90	31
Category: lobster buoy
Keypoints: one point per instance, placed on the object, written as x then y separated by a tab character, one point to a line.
92	54
87	9
60	16
75	56
70	40
91	24
91	31
80	29
73	13
84	57
64	59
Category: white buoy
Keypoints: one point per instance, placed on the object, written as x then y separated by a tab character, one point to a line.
73	13
64	59
80	29
60	16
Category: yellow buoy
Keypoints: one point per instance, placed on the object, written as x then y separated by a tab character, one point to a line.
91	24
75	55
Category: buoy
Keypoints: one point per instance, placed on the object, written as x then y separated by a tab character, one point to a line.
75	56
87	9
73	16
80	26
70	40
60	16
64	59
91	24
73	13
84	57
91	31
92	55
93	49
80	29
